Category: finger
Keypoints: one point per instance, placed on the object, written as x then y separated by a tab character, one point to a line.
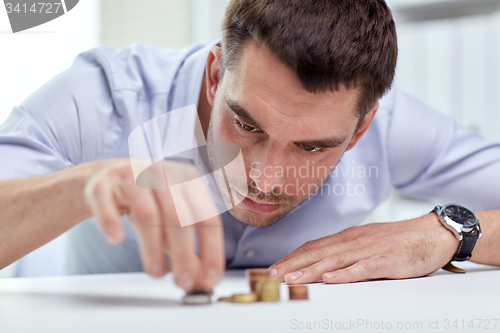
185	263
160	200
145	217
211	246
297	252
372	268
344	235
104	207
312	254
331	263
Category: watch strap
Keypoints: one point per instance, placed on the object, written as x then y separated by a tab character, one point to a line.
465	248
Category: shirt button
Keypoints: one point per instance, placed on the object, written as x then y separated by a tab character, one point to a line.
249	253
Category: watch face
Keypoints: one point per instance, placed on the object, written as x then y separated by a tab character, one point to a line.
460	215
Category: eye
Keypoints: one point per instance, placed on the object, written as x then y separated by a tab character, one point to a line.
245	126
311	149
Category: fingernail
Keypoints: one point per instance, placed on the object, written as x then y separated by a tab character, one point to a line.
273	272
294	276
330	275
185	281
212	276
157	270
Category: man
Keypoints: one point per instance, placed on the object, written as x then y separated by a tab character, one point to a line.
296	85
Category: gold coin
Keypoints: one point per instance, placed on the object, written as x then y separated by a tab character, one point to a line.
268	290
224	299
244	298
449	267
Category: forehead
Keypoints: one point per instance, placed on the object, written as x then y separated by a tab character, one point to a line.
269	90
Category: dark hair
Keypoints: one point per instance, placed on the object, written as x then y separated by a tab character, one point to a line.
327	43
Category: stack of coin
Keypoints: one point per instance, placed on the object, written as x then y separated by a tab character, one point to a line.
198	296
268	290
298	292
239	298
256	274
244	298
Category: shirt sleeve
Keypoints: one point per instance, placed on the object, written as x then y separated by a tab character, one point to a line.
432	157
65	122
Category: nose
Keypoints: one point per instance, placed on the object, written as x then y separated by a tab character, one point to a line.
268	173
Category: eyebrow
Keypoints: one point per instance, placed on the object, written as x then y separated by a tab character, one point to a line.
243	114
324	143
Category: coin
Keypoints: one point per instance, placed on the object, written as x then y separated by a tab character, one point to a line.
268	290
254	275
197	296
298	292
224	299
449	267
244	298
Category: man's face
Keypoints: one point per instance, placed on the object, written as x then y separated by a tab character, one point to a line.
290	139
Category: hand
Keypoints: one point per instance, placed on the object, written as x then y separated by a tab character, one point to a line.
380	250
112	192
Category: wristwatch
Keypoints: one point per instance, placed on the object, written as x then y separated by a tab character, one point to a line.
464	224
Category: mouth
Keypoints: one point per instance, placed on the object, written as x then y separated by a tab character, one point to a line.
258	207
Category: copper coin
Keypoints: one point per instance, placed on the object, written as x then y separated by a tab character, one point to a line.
298	292
255	274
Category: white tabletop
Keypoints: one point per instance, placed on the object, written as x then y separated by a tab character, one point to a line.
134	302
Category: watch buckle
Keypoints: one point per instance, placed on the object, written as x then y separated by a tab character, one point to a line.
451	268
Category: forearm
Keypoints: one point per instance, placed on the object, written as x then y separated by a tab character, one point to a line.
487	249
38	209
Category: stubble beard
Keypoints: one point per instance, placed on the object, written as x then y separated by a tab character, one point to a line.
288	202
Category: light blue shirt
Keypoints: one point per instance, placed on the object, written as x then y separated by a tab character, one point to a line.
87	112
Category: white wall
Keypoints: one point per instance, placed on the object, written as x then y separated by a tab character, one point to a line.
452	65
165	23
30	58
206	19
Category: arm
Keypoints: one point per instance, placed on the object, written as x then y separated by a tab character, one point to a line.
36	210
40	144
39	209
487	249
395	250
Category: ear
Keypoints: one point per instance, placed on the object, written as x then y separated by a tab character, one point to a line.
212	72
364	126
